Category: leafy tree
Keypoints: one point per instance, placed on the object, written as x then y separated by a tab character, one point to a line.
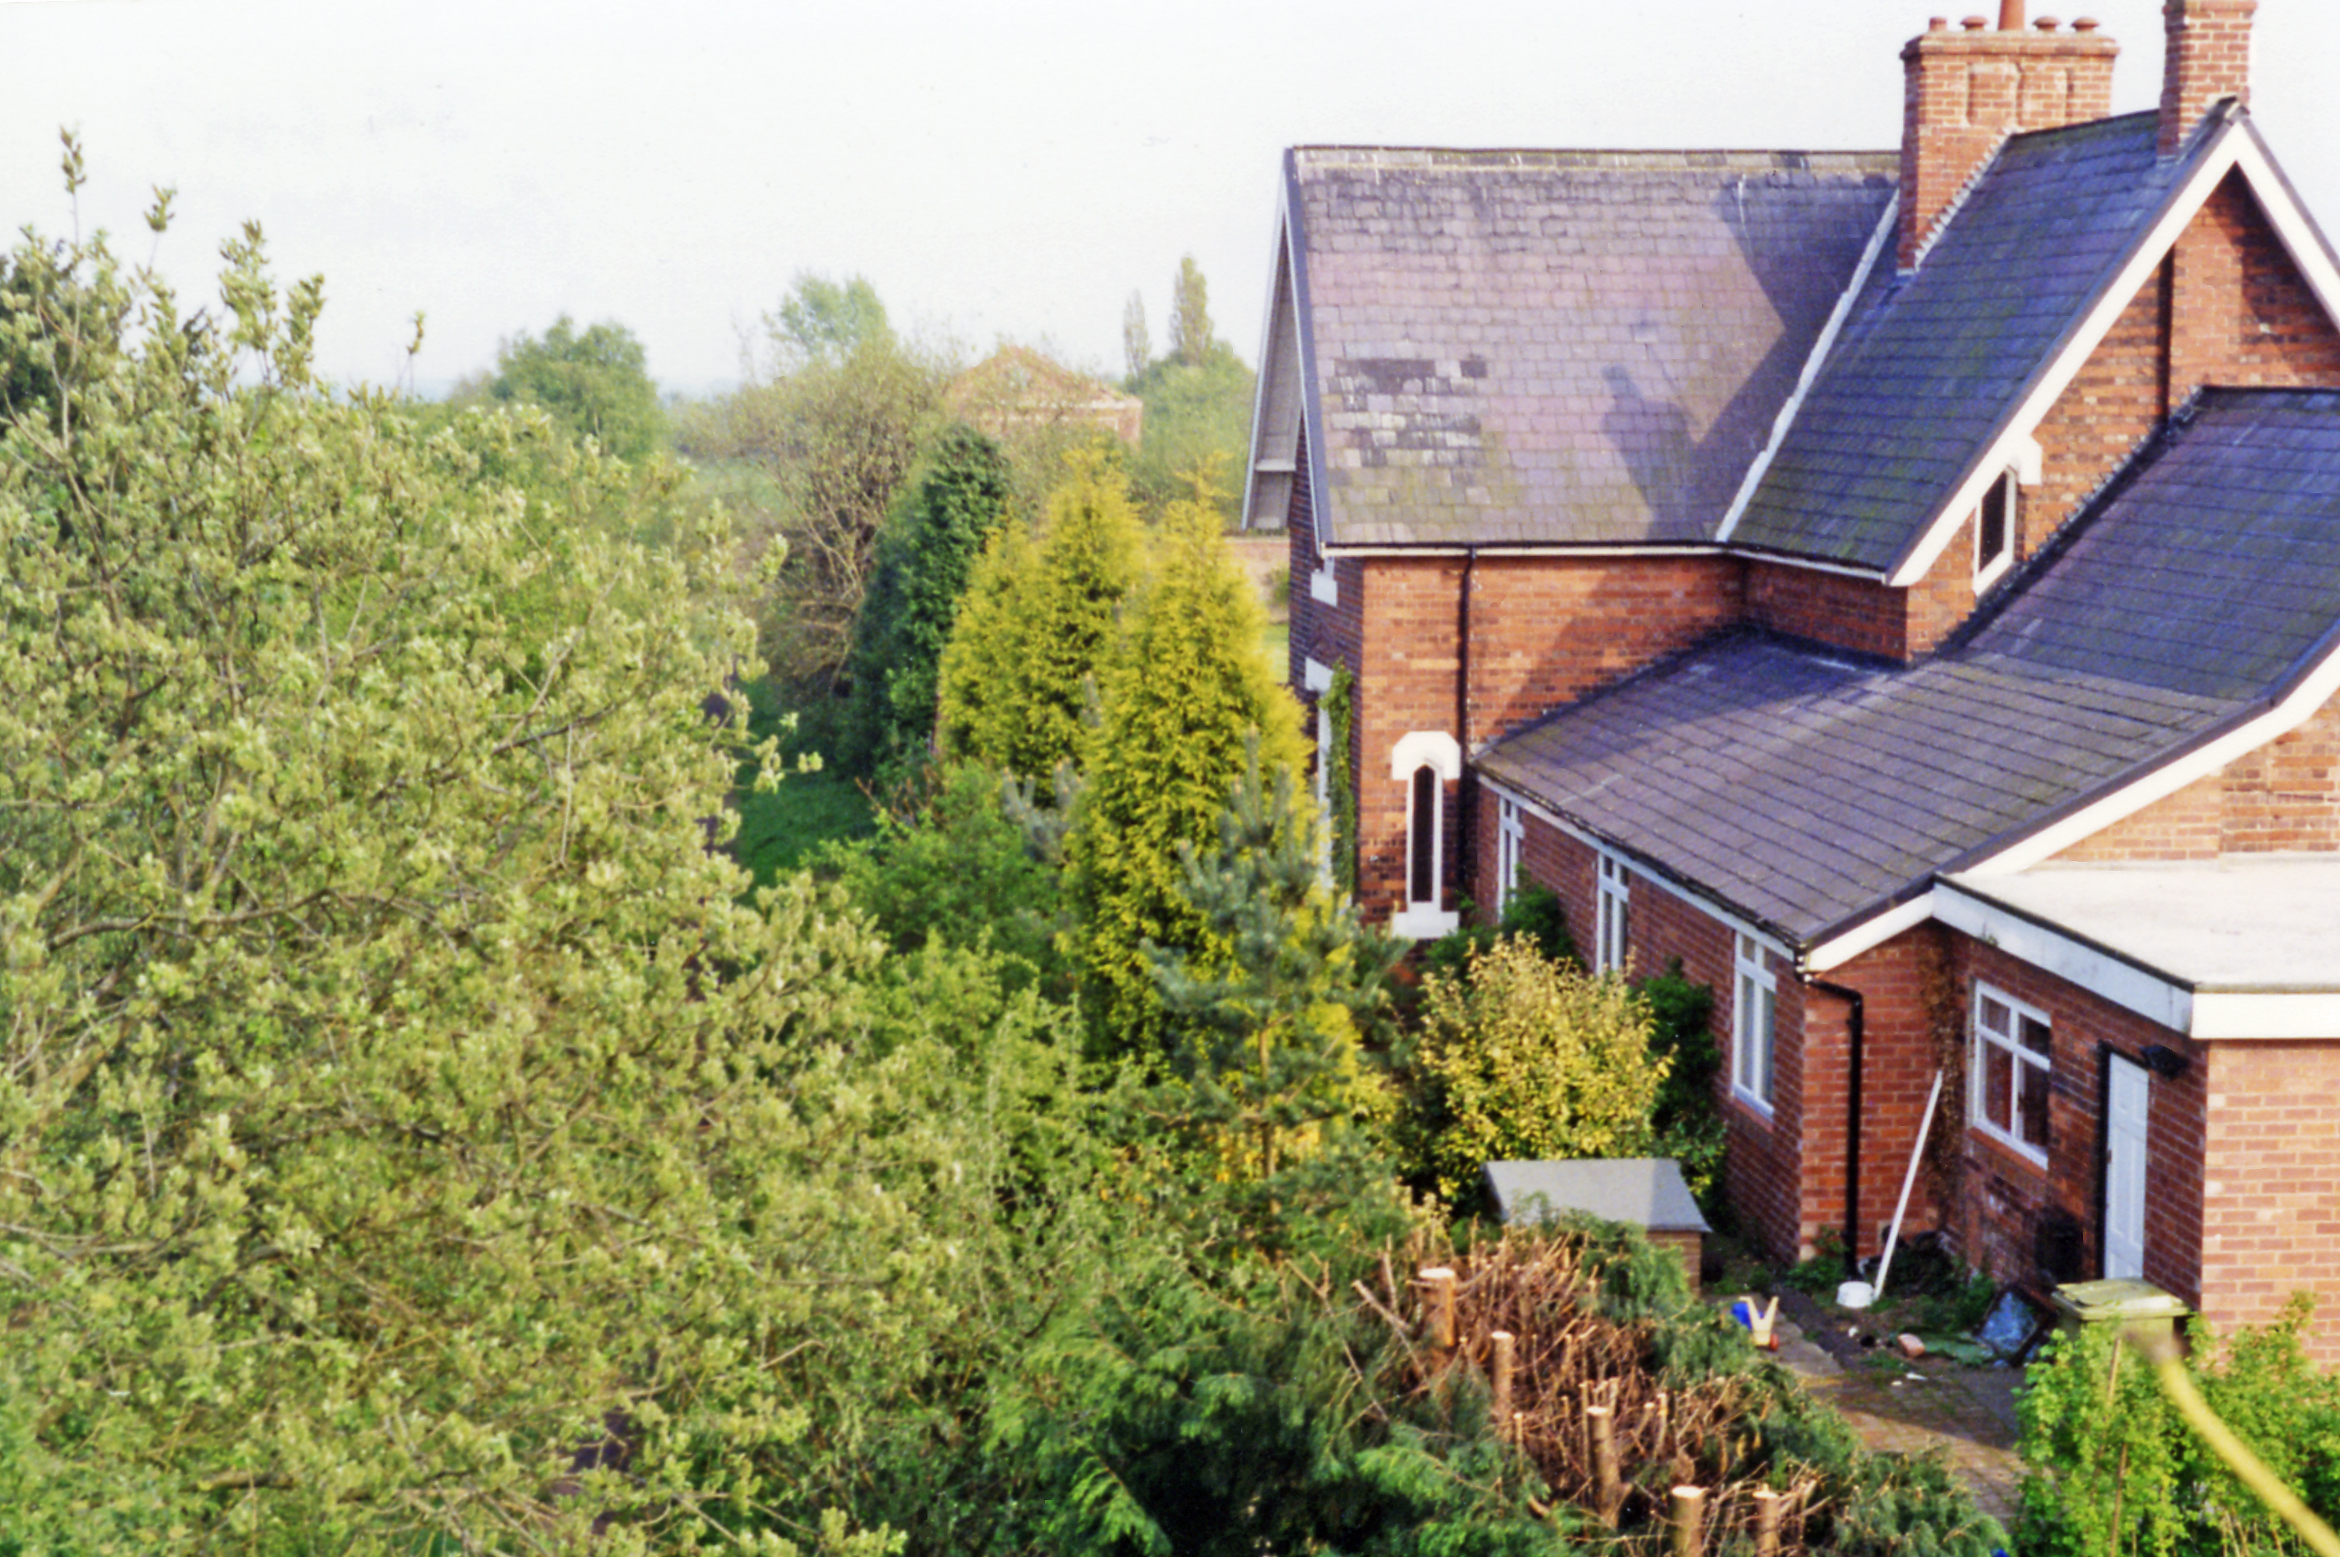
1526	1058
406	1137
925	555
595	384
955	868
1187	694
1198	403
1191	340
1137	347
831	431
1019	674
823	320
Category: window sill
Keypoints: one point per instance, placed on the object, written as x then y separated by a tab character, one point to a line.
1751	1103
2029	1156
1422	923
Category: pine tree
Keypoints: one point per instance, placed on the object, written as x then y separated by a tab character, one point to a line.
1036	625
1188	688
926	555
1190	315
1268	1072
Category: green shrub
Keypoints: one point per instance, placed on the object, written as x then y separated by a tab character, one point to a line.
1526	1058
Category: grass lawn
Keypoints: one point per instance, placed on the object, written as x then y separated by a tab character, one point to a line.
778	832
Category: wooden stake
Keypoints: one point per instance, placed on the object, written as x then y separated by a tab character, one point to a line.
1438	1307
1768	1507
1608	1491
1502	1381
1689	1515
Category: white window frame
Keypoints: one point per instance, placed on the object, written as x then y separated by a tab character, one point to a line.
1754	1022
1318	679
1612	914
2024	1063
2010	490
1426	918
1510	845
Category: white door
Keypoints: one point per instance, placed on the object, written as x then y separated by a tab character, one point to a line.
2127	1088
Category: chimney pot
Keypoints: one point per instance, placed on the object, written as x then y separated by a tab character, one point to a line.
1937	24
2086	24
2010	15
2047	24
1975	23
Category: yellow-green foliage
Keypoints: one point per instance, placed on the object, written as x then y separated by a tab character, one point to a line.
1186	688
1535	1060
1037	622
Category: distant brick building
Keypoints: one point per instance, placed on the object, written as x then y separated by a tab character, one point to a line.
1016	392
1904	587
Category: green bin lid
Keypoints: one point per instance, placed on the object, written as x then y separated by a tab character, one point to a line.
2091	1301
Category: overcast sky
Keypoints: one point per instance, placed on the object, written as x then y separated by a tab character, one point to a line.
1011	169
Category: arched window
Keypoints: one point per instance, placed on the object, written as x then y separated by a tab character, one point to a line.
1425	761
1422	829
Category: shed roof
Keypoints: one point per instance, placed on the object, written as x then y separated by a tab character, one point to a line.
1805	790
1556	347
1645	1191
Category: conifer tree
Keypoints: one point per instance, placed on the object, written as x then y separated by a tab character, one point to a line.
1036	625
1268	1076
1189	687
926	554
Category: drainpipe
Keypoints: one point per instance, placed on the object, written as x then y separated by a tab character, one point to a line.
1855	1029
1465	857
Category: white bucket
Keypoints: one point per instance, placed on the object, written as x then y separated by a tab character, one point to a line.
1855	1294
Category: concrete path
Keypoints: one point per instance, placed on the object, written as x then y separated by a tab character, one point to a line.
1931	1403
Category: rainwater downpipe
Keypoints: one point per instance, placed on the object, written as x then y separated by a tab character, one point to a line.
1855	1029
1464	818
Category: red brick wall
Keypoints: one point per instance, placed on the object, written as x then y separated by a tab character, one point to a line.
2284	796
1851	613
2004	1194
1897	1070
2241	313
2206	56
1410	657
2273	1182
1545	630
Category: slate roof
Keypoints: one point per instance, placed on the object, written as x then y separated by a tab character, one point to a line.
1930	362
1553	347
1807	791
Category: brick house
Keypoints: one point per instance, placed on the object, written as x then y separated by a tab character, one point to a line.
1905	588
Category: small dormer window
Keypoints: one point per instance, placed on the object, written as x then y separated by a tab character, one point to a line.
1994	530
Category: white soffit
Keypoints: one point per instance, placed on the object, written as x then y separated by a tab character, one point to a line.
2235	145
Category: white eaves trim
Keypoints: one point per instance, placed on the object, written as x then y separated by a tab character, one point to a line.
2264	1014
2151	995
1603	551
1704	905
2293	710
2206	1015
2234	145
1886	226
1869	934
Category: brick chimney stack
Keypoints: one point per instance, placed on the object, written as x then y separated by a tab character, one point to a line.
1967	89
2209	58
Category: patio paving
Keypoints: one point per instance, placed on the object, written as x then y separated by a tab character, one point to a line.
1908	1407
